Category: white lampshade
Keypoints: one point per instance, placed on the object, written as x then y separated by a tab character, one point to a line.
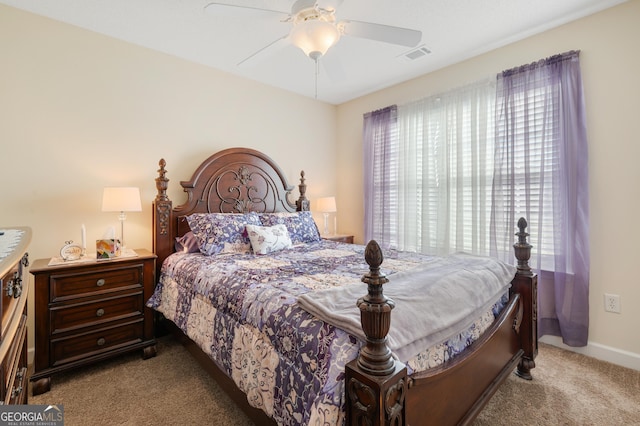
314	37
121	199
327	204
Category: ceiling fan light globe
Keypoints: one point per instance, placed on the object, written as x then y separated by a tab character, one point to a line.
314	37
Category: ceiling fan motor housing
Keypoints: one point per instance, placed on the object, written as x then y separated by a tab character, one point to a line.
314	30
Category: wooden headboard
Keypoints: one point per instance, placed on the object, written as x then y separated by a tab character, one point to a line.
235	180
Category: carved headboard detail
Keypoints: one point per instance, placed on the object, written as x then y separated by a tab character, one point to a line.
234	180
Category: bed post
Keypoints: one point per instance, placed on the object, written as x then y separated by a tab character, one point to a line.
302	204
162	223
525	283
376	384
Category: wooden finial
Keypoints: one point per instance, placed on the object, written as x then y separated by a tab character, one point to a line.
302	204
162	183
375	314
522	249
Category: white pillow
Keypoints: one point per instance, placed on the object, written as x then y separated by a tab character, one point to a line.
267	239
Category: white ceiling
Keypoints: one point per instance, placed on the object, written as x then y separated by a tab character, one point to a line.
453	30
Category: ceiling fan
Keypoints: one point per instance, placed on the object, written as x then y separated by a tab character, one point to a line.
314	27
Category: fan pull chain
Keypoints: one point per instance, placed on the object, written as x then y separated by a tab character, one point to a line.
317	71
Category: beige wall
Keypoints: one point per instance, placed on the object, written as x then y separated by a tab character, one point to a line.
610	63
80	111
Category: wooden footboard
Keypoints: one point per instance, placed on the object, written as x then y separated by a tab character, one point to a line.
379	392
456	392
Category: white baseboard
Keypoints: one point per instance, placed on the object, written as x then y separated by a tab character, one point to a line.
599	351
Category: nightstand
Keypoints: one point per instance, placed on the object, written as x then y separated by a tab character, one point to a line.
339	237
90	311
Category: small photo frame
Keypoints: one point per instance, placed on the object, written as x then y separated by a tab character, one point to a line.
107	249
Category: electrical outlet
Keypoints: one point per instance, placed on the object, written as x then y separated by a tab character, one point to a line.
612	303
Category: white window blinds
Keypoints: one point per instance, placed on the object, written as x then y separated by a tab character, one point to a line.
444	171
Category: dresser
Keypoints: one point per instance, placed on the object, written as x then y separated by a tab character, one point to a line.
87	312
13	310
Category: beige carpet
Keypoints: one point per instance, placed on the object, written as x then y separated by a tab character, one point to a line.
567	389
171	389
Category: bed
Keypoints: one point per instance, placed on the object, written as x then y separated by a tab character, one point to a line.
247	318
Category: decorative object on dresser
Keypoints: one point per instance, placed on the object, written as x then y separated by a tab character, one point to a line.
342	238
90	311
121	199
13	310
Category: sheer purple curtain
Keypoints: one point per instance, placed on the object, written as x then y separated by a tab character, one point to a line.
541	173
380	127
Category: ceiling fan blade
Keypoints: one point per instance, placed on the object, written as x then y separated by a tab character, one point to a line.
385	33
265	52
242	12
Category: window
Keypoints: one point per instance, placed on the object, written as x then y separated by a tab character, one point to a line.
464	166
438	166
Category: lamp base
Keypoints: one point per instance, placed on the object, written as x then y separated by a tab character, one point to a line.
326	224
122	217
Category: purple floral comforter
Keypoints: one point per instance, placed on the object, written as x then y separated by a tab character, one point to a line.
241	310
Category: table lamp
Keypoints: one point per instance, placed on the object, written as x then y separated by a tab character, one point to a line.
327	205
121	199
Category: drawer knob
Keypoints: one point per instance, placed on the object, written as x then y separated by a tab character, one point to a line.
15	392
9	288
14	286
101	341
20	374
100	282
100	312
17	285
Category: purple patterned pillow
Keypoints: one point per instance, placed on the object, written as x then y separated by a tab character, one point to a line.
218	232
187	243
301	226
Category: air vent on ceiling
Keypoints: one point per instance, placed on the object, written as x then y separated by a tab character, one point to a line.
415	54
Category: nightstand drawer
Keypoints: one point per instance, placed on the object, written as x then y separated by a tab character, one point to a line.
71	317
74	285
72	348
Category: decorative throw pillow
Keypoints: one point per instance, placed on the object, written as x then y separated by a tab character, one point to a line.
267	239
187	243
217	231
301	226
